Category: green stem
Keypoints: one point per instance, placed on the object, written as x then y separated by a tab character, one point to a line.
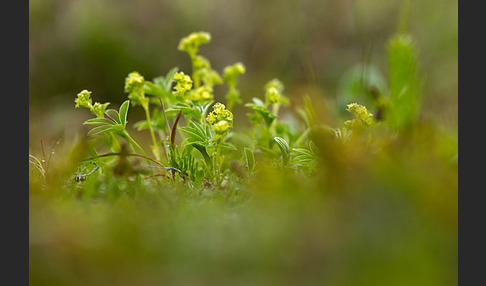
115	142
195	77
302	137
272	128
217	165
129	154
155	150
130	139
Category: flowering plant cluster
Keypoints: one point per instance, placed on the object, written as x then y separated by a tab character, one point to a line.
181	102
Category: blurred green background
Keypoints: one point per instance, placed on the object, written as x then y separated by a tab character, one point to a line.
309	45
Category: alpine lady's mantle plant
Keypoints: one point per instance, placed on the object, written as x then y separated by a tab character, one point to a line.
193	136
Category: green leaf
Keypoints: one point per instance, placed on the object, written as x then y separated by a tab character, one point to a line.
100	129
249	159
153	89
113	114
197	132
261	112
169	78
284	148
186	110
228	146
98	121
191	141
403	81
302	155
354	86
123	112
258	102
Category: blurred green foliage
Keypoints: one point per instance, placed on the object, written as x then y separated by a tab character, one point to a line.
94	44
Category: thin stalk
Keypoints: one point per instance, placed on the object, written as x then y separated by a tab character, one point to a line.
217	165
165	117
195	77
174	130
117	145
155	150
167	133
275	108
302	137
130	139
128	154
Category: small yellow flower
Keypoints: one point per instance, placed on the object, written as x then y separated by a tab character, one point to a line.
275	83
273	92
83	99
191	43
133	82
201	94
221	127
98	109
230	73
272	95
220	113
362	117
183	83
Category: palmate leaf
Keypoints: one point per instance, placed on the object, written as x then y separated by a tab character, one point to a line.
284	148
261	112
302	157
153	89
116	121
186	109
158	121
115	128
161	86
203	109
165	83
197	133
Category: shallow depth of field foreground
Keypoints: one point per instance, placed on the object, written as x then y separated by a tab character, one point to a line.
215	171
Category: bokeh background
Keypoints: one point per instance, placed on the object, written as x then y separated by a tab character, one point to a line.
309	45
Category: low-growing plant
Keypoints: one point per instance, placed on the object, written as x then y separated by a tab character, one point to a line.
194	138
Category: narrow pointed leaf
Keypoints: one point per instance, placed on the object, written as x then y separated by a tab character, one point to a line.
123	112
98	121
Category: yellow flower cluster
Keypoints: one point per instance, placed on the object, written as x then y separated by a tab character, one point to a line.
183	83
191	43
273	92
201	94
84	100
275	83
230	73
362	116
99	109
133	82
221	127
272	95
217	116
